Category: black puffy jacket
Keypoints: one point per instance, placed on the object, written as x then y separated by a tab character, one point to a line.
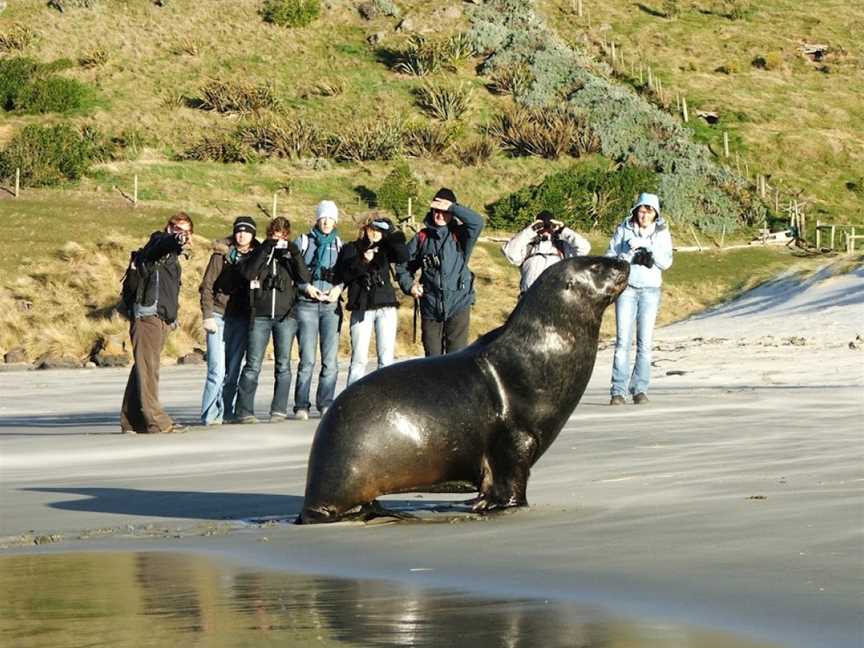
368	283
277	272
159	261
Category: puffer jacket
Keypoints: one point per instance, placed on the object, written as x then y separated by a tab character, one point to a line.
449	287
627	239
223	288
533	254
369	285
274	273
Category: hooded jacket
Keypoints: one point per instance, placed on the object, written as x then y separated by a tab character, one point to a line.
223	288
275	273
534	254
161	293
369	285
448	285
628	238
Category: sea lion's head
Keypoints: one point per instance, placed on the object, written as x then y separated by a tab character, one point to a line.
593	282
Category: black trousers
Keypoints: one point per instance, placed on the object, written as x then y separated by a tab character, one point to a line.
447	336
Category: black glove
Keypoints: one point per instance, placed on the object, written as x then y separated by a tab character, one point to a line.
643	257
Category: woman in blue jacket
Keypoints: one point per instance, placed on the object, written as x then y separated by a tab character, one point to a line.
643	239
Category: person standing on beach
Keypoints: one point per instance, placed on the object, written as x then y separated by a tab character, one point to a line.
445	289
543	243
364	265
153	315
225	312
273	270
644	240
319	312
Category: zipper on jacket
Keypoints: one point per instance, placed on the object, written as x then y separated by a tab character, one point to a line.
273	293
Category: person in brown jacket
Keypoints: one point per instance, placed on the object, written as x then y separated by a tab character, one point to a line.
225	311
154	314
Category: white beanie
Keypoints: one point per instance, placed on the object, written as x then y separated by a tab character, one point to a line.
327	209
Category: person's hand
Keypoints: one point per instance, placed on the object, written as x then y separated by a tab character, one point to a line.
417	291
537	225
333	295
314	293
557	225
209	325
369	254
441	204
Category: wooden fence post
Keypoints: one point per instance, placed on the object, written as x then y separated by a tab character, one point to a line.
725	144
684	109
17	182
135	192
275	195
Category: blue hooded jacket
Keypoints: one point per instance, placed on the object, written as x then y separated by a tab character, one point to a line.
627	239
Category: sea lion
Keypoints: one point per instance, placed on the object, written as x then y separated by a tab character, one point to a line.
482	416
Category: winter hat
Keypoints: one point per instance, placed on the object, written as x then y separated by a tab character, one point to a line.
446	194
244	224
649	200
327	209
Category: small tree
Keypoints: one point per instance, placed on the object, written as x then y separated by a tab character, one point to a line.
397	188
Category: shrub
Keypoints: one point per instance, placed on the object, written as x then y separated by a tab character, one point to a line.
282	138
53	94
236	97
379	139
475	152
290	13
16	37
588	196
513	80
427	139
374	8
397	188
421	57
15	74
444	101
544	132
218	148
94	57
48	155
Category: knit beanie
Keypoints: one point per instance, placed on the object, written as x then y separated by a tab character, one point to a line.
245	224
327	209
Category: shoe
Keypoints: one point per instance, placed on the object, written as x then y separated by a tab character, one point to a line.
211	423
276	417
177	428
244	420
640	399
301	415
124	431
617	399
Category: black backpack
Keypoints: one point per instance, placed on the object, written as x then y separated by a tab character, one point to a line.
132	285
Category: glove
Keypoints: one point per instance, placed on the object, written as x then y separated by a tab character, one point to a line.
643	257
209	325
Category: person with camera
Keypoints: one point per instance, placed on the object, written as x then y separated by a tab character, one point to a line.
445	289
543	243
225	312
644	240
319	311
153	315
273	271
364	266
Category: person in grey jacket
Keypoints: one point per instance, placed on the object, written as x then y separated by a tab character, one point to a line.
644	240
543	243
445	289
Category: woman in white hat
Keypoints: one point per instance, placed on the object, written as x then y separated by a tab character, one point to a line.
643	239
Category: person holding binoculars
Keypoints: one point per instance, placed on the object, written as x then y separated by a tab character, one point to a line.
644	240
543	243
364	267
445	289
273	271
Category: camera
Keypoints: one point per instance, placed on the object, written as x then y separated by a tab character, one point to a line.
643	257
372	281
430	262
278	283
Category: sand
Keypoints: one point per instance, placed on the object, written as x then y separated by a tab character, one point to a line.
732	501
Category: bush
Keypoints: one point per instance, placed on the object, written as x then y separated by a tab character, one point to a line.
544	132
218	148
94	57
397	188
290	13
595	195
236	97
513	80
48	155
16	37
53	94
15	74
475	152
427	139
420	56
444	101
379	139
282	138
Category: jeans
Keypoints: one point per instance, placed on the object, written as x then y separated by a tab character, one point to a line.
283	332
384	320
639	305
225	350
314	320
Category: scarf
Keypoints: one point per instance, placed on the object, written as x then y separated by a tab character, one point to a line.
322	245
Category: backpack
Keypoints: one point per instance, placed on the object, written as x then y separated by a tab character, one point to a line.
132	285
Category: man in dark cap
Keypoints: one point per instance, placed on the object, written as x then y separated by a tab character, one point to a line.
445	288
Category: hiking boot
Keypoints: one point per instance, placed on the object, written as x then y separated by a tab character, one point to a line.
301	415
278	417
617	399
244	420
640	399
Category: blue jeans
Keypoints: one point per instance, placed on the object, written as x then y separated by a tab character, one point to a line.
316	319
385	321
637	305
225	350
283	332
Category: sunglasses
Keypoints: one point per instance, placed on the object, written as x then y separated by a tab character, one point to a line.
381	225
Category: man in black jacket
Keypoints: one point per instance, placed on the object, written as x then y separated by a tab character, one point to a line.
273	270
153	315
